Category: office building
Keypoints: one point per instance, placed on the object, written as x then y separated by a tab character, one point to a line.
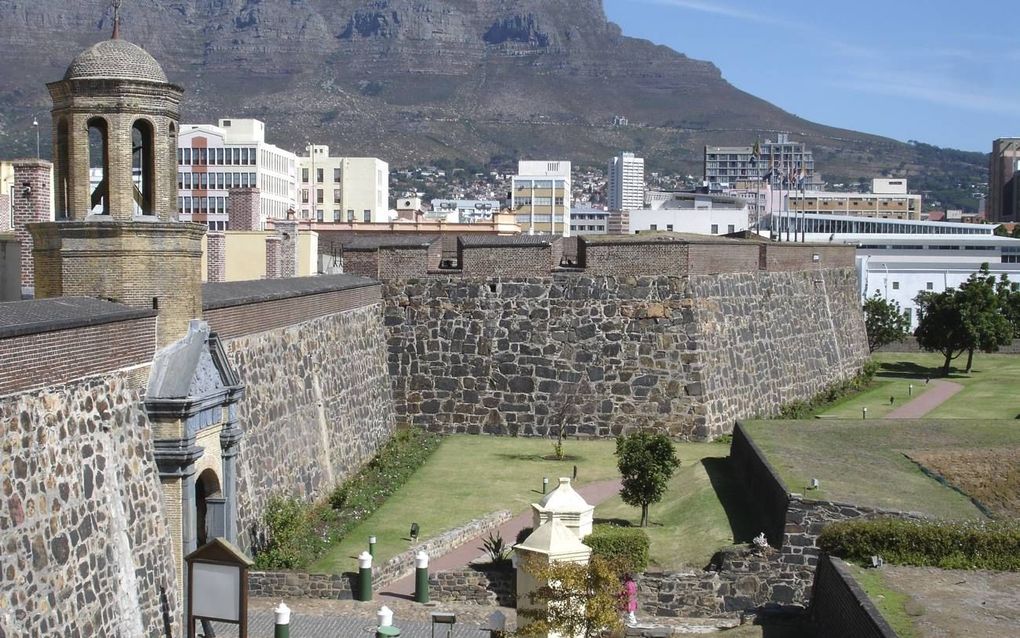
736	167
888	199
343	189
1003	184
468	211
587	220
695	213
212	160
626	182
540	197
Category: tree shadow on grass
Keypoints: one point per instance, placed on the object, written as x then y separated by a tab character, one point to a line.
567	458
733	496
911	370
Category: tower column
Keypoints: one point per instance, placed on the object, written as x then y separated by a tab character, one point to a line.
31	204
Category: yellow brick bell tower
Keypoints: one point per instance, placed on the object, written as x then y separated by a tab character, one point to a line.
116	234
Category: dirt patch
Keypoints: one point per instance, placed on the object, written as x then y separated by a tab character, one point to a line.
964	604
992	476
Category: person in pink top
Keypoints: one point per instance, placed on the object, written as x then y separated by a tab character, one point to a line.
629	595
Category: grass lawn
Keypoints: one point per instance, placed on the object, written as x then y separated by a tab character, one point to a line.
470	476
700	513
895	606
989	390
863	462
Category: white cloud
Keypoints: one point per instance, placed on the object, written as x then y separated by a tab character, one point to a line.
932	89
719	9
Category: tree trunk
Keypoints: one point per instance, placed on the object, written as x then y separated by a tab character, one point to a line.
970	360
644	515
945	366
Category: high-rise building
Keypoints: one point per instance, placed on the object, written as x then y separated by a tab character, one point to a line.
1004	184
626	182
737	166
233	154
540	197
343	189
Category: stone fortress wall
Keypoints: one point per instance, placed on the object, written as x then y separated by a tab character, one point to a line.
507	351
84	544
84	534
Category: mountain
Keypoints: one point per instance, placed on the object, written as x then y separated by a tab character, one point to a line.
416	80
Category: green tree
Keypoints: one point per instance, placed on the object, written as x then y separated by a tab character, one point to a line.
647	461
983	315
1009	300
962	320
885	322
577	600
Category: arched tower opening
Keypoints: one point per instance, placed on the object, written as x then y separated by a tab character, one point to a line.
143	166
62	167
99	166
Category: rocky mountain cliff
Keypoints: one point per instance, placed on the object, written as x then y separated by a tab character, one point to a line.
414	80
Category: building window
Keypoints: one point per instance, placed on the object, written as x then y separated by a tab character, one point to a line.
318	215
731	228
336	175
930	286
336	195
367	215
653	227
350	215
320	174
669	227
715	229
336	215
318	195
304	195
304	175
895	285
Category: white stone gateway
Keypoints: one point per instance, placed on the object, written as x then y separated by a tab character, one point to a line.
552	542
565	505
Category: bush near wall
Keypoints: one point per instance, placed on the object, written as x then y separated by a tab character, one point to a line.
943	544
836	392
624	547
297	533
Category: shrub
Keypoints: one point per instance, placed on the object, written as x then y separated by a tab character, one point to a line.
943	544
624	547
496	549
833	393
289	539
297	533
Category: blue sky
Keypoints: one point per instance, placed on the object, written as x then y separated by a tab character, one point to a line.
946	73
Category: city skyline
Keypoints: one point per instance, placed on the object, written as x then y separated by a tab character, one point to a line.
945	76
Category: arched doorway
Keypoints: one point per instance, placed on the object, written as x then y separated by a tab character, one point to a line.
209	507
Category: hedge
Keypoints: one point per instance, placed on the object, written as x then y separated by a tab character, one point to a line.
624	547
943	544
295	533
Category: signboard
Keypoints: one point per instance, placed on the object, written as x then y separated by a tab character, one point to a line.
216	594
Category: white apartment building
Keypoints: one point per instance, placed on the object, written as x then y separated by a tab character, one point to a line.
888	199
232	154
540	197
468	211
695	213
343	189
626	182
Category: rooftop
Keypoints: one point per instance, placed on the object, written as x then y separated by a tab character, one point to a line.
19	318
224	295
115	60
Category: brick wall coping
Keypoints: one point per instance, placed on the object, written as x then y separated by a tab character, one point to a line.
880	624
241	293
739	428
20	318
490	241
374	242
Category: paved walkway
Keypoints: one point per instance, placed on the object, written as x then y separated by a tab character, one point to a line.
594	493
922	405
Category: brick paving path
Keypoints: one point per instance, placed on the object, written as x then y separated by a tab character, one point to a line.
460	557
922	405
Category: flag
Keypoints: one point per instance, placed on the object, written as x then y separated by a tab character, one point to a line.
756	153
802	179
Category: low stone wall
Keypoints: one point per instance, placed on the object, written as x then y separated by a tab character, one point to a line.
478	585
805	520
340	586
740	580
403	564
840	608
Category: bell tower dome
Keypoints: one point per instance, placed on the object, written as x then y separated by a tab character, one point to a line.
116	234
